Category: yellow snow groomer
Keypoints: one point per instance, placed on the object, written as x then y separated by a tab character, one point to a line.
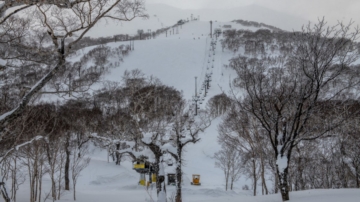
195	179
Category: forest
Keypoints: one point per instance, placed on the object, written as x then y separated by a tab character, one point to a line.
292	111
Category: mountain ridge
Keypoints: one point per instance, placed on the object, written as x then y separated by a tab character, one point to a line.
162	15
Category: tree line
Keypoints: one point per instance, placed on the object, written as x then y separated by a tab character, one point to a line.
37	41
294	108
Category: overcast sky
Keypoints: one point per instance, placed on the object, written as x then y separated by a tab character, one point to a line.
333	10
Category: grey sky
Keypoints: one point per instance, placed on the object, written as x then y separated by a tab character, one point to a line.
333	10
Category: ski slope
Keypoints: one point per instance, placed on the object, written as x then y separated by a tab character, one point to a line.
176	60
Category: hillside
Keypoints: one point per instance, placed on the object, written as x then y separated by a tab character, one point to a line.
159	18
176	60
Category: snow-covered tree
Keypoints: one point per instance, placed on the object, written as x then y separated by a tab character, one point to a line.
39	41
289	96
142	110
241	132
185	129
229	160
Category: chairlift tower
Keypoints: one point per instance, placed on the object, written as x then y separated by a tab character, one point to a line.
196	98
207	80
213	45
205	89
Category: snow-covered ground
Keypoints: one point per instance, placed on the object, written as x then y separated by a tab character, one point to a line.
176	60
103	181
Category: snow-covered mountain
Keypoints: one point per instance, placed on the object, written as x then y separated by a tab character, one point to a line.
176	59
161	15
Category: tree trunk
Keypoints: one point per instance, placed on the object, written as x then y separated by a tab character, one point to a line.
290	182
67	163
40	180
357	177
60	176
13	188
156	167
283	184
159	179
13	185
33	181
108	154
226	179
276	183
51	172
36	180
254	175
263	175
178	197
74	188
4	192
118	155
53	185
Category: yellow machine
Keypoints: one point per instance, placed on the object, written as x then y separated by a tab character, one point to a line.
142	167
139	165
142	180
195	179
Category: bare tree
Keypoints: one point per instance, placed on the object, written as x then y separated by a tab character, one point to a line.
219	104
141	112
186	129
229	160
38	42
78	164
287	96
140	33
242	132
61	20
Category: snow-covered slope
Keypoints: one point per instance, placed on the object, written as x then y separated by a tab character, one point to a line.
176	59
161	16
